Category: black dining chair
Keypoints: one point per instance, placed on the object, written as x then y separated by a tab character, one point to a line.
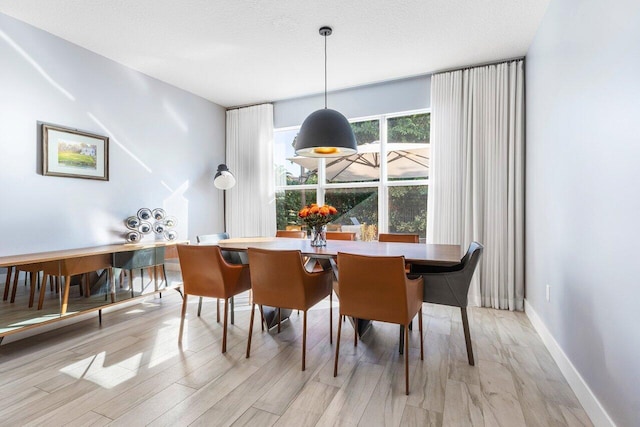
450	286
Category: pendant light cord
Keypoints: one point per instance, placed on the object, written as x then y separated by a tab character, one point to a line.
325	71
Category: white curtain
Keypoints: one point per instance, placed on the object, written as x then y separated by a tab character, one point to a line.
251	203
477	175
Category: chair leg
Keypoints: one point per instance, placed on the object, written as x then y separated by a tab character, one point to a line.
304	338
131	283
200	308
87	286
7	283
182	316
164	276
330	317
467	335
65	294
224	326
15	286
232	310
355	332
261	317
335	363
279	319
33	281
43	289
421	336
406	356
111	284
253	312
218	310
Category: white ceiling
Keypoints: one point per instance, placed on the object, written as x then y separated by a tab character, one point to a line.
239	52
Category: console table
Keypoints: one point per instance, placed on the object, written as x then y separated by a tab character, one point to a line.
17	316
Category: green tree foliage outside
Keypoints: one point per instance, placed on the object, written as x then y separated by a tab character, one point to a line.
408	209
414	128
366	132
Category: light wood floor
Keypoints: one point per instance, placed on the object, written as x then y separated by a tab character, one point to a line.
131	371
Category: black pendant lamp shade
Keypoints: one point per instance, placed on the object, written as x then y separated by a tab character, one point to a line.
326	132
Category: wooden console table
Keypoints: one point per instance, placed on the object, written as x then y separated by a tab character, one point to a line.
66	263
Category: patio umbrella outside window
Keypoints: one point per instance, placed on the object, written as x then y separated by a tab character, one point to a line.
404	161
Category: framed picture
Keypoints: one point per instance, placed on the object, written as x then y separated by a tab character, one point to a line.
73	153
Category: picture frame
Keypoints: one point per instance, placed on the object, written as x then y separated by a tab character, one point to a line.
72	153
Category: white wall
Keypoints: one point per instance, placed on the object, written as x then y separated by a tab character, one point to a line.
582	192
165	146
389	97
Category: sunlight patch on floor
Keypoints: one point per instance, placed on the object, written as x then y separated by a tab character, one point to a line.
93	369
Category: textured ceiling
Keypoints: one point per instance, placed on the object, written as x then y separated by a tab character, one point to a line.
239	52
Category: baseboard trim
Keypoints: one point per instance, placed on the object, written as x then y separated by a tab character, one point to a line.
592	406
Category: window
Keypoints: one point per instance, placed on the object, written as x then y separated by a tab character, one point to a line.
382	188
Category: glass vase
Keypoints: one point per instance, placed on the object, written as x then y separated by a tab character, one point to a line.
319	236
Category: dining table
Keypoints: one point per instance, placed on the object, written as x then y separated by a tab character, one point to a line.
326	256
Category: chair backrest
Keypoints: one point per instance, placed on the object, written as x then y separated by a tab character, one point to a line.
205	273
277	277
293	227
373	287
341	235
399	237
212	238
470	260
450	286
293	234
334	227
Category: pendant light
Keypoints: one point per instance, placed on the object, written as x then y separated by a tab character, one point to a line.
326	132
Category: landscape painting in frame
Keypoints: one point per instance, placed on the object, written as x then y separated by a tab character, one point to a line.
73	153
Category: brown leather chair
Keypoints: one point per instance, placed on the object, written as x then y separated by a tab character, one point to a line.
341	235
278	279
205	273
377	288
399	237
230	257
293	234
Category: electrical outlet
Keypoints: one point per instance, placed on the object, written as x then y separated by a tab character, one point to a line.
548	293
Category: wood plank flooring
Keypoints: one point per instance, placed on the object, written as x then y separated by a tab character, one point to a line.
130	371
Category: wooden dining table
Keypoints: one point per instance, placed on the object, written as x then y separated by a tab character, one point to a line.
415	253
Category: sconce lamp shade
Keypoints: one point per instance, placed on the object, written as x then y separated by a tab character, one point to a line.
224	179
326	133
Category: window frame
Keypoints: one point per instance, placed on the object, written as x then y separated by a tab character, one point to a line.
383	184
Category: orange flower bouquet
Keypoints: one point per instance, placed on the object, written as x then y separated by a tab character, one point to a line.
317	217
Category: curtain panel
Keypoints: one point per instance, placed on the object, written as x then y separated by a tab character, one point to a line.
477	175
251	203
